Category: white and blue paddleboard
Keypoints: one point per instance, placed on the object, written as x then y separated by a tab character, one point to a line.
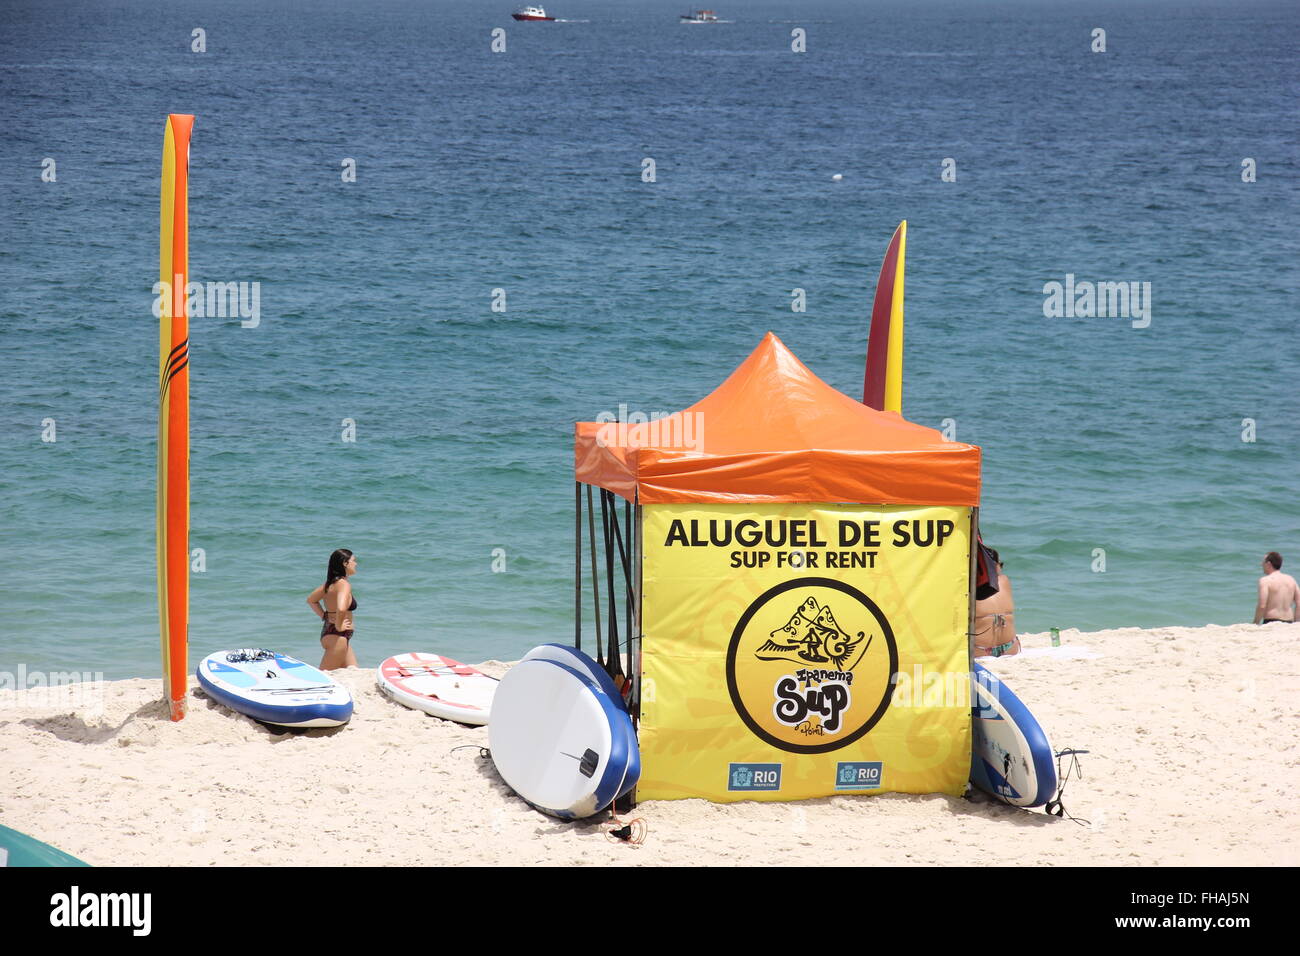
563	654
274	688
1011	757
558	739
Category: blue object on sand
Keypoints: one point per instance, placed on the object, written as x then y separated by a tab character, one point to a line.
18	849
1011	757
274	688
564	654
558	739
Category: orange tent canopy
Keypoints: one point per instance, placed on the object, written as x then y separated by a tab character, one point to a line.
775	432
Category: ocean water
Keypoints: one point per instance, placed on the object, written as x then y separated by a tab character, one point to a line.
522	171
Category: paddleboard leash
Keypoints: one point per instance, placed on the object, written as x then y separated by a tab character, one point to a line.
631	832
1055	807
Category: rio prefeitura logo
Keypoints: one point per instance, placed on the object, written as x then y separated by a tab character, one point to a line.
809	664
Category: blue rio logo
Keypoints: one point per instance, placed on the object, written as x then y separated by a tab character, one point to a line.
754	776
859	775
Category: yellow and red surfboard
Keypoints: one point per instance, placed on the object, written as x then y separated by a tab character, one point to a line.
882	388
174	414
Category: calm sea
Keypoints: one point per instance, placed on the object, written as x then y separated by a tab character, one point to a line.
522	171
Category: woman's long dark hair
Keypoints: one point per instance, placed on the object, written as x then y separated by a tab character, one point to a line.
338	567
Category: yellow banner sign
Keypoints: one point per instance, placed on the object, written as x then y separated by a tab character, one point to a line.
797	651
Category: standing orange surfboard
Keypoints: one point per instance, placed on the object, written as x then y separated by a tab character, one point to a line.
174	414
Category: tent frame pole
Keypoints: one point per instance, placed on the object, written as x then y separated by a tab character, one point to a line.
595	578
626	554
974	575
609	517
577	565
635	635
623	539
634	643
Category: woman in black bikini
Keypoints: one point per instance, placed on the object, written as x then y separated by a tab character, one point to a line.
336	635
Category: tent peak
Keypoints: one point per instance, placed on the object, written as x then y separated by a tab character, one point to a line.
775	431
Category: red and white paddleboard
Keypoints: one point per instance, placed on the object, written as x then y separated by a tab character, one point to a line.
439	686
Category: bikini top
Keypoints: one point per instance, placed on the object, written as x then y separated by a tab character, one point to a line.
352	608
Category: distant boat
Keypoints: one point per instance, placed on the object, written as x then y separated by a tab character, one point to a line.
701	16
531	13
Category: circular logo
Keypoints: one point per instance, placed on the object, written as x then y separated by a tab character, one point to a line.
809	665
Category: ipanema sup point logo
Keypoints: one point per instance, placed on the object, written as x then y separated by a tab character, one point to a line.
809	665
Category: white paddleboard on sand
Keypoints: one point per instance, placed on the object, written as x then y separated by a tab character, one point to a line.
564	654
557	739
439	686
274	688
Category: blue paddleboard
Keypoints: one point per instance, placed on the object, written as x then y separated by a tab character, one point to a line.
564	654
274	688
1011	757
557	739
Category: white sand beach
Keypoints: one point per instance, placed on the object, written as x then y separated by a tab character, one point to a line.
1192	759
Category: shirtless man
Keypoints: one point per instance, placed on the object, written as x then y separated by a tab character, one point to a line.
1279	597
995	620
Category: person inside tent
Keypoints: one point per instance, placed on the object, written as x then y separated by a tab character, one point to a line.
995	617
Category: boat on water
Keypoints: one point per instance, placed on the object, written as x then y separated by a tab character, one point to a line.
531	13
700	16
